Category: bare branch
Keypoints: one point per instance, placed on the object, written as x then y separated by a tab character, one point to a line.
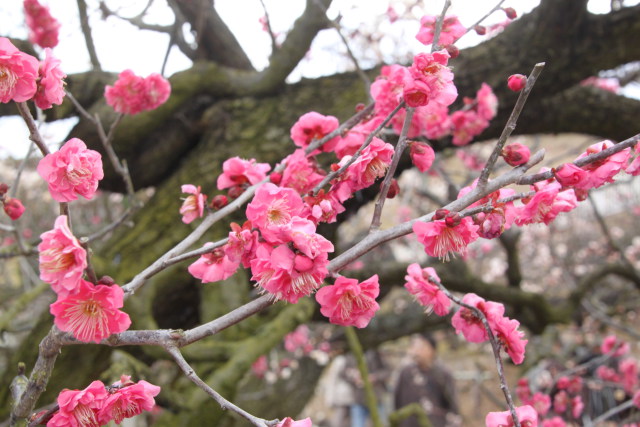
88	38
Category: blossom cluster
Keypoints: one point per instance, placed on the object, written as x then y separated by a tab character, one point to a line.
43	28
23	77
98	405
132	94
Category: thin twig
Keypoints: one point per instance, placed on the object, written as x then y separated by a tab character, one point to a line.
34	133
224	403
274	45
109	228
479	21
614	411
495	346
91	274
23	164
438	29
511	124
88	38
386	183
347	125
604	318
355	156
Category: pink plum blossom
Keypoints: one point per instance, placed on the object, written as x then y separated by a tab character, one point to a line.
349	143
441	240
603	171
554	422
62	259
286	275
237	172
487	102
214	266
611	342
416	93
50	82
80	407
242	244
577	406
452	30
132	94
541	403
546	204
272	209
465	125
628	369
516	154
71	171
422	155
92	312
289	422
128	401
312	126
427	293
301	173
466	322
572	176
325	206
298	340
526	415
511	339
260	366
193	205
432	69
43	28
349	303
18	73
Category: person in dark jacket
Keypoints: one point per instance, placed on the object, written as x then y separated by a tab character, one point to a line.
427	382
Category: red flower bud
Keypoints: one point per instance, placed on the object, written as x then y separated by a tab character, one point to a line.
107	281
3	188
511	12
13	208
394	189
480	29
235	192
581	194
517	82
516	154
219	201
453	220
359	107
275	177
440	213
453	50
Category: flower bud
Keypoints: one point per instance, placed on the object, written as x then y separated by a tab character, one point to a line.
106	281
517	82
453	219
452	50
440	214
275	177
510	12
359	107
394	189
235	191
480	29
516	154
13	208
219	201
3	188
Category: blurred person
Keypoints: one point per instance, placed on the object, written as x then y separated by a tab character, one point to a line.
339	394
427	382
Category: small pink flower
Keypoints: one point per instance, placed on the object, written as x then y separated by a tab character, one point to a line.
325	207
610	342
312	126
237	172
487	102
452	30
128	401
577	406
13	207
526	415
466	321
516	154
132	94
298	340
50	82
511	339
214	266
554	422
62	258
260	366
517	82
546	204
71	171
18	73
572	176
466	125
80	407
628	369
440	240
426	292
301	173
193	205
349	303
43	28
242	244
432	69
603	171
422	155
416	93
560	401
541	403
92	312
288	422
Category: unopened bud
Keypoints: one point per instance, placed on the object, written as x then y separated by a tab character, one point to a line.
13	208
3	188
275	177
106	281
517	82
510	12
453	220
334	167
480	29
219	201
453	50
440	214
394	189
516	154
581	194
235	192
359	107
